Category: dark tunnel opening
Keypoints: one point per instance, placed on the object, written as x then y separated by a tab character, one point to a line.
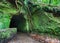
56	15
18	21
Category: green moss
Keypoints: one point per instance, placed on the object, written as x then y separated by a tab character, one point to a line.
46	23
7	33
4	20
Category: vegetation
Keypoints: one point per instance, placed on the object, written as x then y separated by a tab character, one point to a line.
39	15
7	33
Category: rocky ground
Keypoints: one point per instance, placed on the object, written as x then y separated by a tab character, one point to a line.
33	38
45	38
23	38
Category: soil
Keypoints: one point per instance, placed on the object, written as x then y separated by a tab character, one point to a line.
23	38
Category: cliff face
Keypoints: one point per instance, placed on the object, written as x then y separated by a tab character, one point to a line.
4	20
6	12
46	23
40	21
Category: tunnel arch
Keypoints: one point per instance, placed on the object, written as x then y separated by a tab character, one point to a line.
18	21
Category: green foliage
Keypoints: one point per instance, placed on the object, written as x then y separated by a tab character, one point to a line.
46	23
7	33
4	20
37	20
51	2
6	7
1	25
42	22
6	12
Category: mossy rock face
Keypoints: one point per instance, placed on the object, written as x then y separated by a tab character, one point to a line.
51	2
46	23
4	23
1	25
7	33
4	20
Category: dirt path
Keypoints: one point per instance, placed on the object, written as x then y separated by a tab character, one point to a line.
23	38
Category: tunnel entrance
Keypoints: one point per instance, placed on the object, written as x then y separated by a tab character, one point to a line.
56	15
18	21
